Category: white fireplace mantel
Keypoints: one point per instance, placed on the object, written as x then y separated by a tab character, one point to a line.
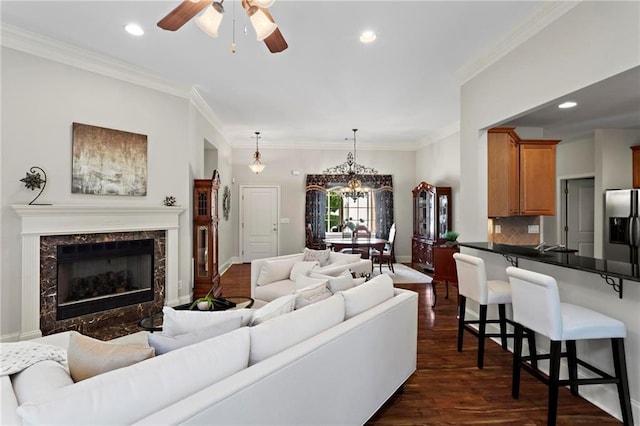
39	220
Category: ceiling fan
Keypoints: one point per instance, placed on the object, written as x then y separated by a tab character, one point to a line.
266	28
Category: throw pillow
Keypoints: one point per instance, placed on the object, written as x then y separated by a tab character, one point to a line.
358	281
304	281
336	256
275	270
280	306
89	357
367	295
301	268
333	269
163	343
177	322
312	294
322	256
342	282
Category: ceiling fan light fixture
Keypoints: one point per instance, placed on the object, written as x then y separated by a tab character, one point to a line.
264	3
262	24
367	36
210	20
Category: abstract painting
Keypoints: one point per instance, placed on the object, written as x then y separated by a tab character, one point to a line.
108	162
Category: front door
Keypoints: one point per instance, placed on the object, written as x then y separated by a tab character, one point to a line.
259	225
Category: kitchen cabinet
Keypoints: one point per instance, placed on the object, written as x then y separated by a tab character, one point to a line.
205	237
431	221
636	166
521	174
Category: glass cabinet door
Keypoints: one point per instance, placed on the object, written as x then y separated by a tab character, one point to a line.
443	215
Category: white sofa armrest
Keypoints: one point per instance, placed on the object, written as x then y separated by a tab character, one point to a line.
256	267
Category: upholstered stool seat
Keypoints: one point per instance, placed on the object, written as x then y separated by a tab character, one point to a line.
536	306
473	284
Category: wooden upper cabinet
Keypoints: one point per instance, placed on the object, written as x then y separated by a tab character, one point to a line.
538	177
503	179
636	166
521	175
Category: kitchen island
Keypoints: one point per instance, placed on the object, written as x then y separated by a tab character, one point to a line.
582	281
614	273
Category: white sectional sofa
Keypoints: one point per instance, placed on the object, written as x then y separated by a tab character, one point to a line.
333	362
273	277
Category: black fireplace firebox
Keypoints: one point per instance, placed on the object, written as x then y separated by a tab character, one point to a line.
96	277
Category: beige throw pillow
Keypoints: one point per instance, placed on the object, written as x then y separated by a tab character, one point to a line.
88	357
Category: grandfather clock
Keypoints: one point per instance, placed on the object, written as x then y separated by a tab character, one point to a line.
205	236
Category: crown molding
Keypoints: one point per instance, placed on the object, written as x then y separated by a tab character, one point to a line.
44	47
204	108
543	16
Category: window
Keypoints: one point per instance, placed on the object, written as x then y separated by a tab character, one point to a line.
341	209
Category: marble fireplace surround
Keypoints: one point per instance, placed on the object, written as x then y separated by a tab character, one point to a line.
39	220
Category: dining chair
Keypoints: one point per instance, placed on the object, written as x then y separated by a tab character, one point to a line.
388	252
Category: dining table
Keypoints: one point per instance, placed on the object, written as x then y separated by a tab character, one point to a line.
356	243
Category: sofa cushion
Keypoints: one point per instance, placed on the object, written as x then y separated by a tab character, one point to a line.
163	343
177	322
312	294
127	395
40	379
276	270
88	357
301	268
280	333
281	305
9	404
272	291
367	295
322	256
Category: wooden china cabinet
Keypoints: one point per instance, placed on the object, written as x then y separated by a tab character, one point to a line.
205	236
431	220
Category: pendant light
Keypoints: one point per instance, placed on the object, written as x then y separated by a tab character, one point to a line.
257	166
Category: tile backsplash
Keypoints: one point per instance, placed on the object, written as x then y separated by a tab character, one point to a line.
514	230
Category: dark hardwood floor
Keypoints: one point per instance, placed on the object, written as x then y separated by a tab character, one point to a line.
447	388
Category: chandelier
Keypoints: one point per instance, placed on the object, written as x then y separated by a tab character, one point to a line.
353	170
257	166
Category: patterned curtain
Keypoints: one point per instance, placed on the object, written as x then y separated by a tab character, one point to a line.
316	205
316	201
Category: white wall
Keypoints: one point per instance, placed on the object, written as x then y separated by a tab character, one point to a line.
280	163
438	164
40	101
591	42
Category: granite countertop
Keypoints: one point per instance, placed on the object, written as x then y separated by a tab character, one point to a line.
611	268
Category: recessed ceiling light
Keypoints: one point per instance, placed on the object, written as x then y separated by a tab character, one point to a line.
367	36
568	104
134	29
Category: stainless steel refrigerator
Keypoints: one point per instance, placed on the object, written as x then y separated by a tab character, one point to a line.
622	225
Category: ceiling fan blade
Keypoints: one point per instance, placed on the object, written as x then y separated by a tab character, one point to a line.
181	14
275	42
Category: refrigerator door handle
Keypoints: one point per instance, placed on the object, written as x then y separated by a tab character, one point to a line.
635	235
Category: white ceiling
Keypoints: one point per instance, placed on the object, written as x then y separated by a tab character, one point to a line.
401	91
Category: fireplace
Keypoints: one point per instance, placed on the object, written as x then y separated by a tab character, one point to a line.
105	275
44	228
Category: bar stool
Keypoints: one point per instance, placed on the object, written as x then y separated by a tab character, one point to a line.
473	284
536	305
